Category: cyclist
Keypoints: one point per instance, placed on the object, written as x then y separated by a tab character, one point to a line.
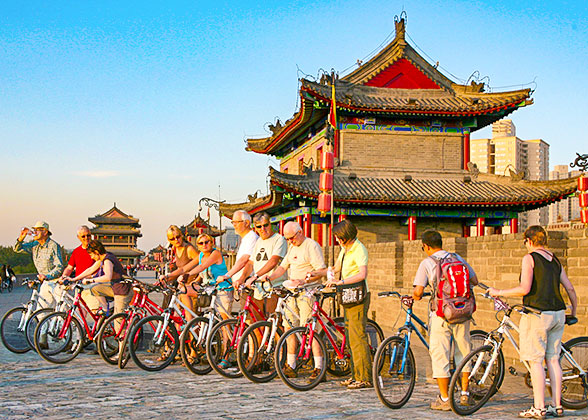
269	251
108	280
47	259
352	265
304	255
540	334
440	331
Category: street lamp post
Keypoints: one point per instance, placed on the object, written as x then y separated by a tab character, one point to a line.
215	204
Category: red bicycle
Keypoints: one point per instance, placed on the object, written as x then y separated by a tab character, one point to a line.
61	336
111	341
224	338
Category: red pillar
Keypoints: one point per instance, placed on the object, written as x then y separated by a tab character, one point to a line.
412	228
300	220
466	231
342	217
480	225
281	224
514	225
319	234
466	150
307	225
329	230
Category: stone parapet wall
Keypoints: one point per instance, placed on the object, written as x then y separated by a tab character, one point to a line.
497	262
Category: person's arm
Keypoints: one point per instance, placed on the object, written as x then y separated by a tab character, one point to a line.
215	258
279	272
567	284
87	272
68	270
524	287
184	269
108	269
239	264
24	247
421	279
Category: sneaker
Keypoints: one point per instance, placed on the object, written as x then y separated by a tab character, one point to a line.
315	374
532	413
347	382
289	372
439	404
464	399
552	411
360	385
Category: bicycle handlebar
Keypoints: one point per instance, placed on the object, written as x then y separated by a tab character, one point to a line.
395	293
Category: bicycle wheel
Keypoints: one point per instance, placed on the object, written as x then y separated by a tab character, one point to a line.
12	330
574	393
111	333
32	323
394	375
221	348
478	338
482	380
304	375
124	354
255	353
336	365
58	340
193	346
373	331
154	347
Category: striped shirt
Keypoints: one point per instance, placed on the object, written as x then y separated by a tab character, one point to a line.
46	257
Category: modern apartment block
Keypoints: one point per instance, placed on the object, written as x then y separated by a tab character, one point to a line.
568	209
505	152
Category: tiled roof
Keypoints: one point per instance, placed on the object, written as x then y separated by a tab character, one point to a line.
102	231
431	189
199	223
125	252
254	204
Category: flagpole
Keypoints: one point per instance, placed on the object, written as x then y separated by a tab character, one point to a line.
334	122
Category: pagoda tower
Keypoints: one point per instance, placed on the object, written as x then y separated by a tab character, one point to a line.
118	232
401	152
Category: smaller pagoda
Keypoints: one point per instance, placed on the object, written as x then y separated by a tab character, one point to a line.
198	226
118	232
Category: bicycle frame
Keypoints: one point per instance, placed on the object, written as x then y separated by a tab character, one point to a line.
317	312
31	306
248	308
82	309
175	306
268	336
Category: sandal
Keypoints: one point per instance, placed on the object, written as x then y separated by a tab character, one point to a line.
360	385
347	382
554	411
533	413
224	364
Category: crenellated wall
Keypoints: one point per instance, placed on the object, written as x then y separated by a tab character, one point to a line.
497	262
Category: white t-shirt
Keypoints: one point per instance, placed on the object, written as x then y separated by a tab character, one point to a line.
245	248
263	251
304	258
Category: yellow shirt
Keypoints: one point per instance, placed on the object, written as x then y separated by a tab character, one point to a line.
355	257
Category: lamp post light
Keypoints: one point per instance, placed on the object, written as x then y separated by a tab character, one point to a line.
215	204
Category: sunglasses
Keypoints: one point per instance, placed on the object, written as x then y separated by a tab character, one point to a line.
291	238
174	238
86	236
203	243
262	226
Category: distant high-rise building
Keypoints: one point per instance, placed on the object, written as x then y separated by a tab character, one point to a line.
568	209
505	152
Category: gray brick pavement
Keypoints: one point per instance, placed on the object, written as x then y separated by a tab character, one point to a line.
88	388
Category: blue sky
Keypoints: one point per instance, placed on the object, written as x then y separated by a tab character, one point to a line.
148	104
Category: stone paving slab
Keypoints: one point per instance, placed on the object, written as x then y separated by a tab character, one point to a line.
31	388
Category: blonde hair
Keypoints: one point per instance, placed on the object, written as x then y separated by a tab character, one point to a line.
174	229
204	235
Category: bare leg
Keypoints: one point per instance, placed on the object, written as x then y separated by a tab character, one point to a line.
555	376
538	381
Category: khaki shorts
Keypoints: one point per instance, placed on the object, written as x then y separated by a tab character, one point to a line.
223	303
540	335
121	302
301	306
440	333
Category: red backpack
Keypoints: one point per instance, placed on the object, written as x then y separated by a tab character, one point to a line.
453	298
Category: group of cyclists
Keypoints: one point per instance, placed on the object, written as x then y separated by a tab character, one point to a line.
291	261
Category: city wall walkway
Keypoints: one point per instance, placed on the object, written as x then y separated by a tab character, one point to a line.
31	388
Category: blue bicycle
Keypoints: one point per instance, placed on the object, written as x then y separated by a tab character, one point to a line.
394	368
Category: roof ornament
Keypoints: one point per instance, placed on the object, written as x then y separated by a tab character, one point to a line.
478	84
517	175
400	24
581	162
473	170
275	128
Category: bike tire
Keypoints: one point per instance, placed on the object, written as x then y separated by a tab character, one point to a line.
304	366
479	393
59	350
109	337
153	352
478	337
32	323
255	354
575	391
394	388
124	354
219	349
13	337
337	366
10	286
193	346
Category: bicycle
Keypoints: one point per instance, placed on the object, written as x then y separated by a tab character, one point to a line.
196	334
153	342
221	346
7	284
66	333
394	368
111	341
255	352
487	365
12	326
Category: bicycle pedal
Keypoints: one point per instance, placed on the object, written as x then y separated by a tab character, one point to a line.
514	372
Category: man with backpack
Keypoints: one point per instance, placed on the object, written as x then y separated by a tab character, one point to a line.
451	307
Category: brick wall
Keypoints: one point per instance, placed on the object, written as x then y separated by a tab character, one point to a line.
382	149
497	262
